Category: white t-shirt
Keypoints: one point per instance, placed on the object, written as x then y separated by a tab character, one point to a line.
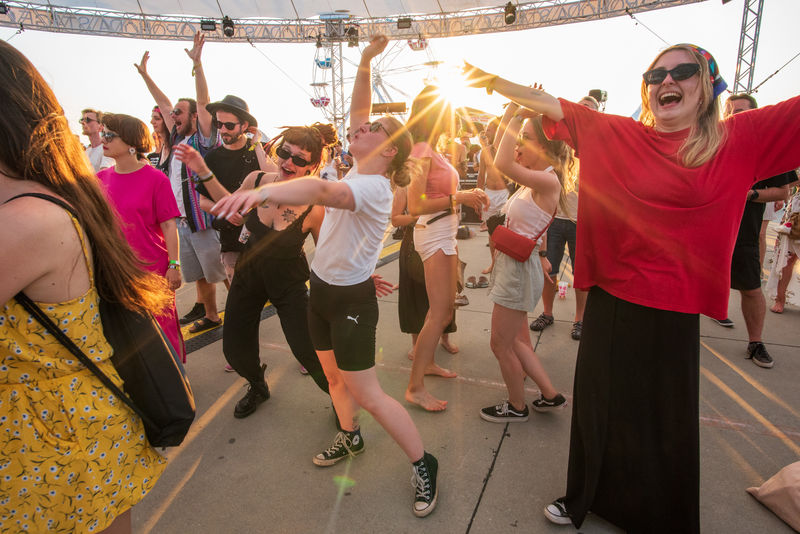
97	159
175	179
350	241
329	172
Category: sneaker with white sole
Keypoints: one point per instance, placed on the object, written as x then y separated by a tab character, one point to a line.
726	322
504	413
423	478
757	352
557	513
345	445
545	405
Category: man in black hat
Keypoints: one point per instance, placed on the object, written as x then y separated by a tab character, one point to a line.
231	163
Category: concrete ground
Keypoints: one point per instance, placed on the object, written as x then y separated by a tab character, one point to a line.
256	475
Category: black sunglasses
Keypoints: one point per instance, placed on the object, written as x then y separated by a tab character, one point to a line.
375	126
87	120
684	71
227	125
285	154
108	136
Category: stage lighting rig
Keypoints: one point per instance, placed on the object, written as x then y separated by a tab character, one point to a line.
510	13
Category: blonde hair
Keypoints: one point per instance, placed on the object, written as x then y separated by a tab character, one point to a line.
707	135
561	157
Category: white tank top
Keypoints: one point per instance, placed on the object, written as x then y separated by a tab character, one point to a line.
524	216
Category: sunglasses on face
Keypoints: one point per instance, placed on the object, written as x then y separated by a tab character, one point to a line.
375	126
285	154
86	120
177	112
228	125
684	71
108	136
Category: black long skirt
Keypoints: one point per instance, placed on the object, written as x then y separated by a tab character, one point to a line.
412	305
634	456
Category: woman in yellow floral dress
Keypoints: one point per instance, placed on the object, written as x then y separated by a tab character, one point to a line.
73	458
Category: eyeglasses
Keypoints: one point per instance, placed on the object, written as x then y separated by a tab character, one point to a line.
108	136
227	125
86	120
285	154
684	71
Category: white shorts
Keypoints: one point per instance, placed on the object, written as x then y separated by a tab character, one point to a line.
440	235
497	199
769	212
517	285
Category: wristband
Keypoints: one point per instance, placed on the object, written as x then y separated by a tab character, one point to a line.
755	195
543	253
205	178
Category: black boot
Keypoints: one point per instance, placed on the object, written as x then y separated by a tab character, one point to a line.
426	490
257	392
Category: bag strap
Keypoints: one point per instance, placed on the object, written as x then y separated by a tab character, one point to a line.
440	216
51	198
37	313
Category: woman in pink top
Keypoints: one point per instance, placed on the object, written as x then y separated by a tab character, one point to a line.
432	196
142	196
661	202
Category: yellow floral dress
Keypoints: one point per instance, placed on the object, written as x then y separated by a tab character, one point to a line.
72	455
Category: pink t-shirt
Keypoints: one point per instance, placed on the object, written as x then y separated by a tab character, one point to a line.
653	232
442	177
143	200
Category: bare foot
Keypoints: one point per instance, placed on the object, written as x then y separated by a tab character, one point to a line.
488	269
435	370
449	347
777	307
426	401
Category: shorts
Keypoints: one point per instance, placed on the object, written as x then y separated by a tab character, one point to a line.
497	199
439	235
745	269
228	260
199	254
769	212
561	232
517	285
344	319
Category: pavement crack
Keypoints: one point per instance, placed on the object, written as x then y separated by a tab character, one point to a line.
488	476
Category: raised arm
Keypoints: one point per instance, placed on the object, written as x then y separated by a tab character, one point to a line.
532	98
539	181
158	95
361	101
200	84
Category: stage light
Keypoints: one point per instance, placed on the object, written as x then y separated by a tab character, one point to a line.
227	26
352	36
404	23
3	8
208	25
511	13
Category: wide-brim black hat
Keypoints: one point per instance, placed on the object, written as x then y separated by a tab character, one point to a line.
235	105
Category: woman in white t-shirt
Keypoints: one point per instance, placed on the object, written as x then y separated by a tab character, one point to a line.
516	286
343	309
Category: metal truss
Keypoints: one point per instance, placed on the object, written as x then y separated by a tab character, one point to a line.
748	44
534	14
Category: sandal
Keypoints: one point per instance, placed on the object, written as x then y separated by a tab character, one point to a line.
471	283
204	324
541	322
483	282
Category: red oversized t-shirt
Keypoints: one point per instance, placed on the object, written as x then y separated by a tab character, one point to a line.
653	232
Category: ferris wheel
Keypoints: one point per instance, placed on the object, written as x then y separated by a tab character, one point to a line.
407	63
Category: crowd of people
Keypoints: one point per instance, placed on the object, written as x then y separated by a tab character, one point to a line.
205	199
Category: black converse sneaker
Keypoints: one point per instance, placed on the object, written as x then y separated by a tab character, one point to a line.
556	512
423	478
257	392
545	405
504	413
345	444
758	353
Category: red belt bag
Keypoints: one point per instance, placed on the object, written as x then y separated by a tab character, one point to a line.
515	245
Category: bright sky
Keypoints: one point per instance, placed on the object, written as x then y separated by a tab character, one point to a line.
569	60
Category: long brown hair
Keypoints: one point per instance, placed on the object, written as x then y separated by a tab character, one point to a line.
707	134
40	147
561	157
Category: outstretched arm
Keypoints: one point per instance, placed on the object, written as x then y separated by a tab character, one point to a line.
200	84
361	101
164	105
532	98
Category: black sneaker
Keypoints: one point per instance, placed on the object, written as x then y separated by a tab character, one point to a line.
257	392
545	405
426	491
726	322
196	313
758	353
577	330
345	444
556	512
504	413
541	322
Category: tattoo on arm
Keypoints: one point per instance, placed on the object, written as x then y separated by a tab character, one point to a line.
289	215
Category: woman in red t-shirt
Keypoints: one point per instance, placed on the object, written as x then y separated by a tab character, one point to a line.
661	201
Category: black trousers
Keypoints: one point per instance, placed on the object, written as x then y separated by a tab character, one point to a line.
282	282
634	455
